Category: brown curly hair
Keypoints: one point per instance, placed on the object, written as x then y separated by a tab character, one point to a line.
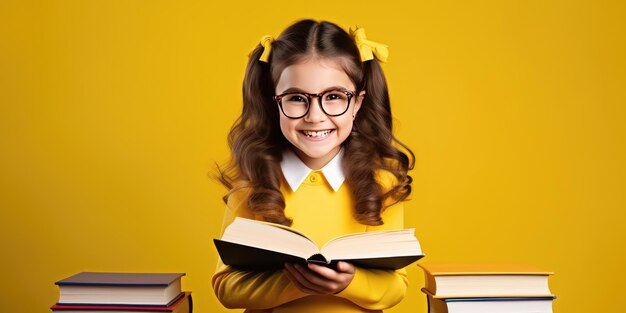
257	143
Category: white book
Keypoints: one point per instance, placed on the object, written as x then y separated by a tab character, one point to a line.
485	280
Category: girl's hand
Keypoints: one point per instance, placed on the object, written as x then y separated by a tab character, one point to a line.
320	280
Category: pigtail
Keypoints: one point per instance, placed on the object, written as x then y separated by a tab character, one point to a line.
371	149
255	142
400	163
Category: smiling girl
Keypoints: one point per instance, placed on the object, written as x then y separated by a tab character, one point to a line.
313	149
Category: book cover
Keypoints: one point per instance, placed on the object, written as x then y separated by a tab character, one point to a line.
259	245
120	279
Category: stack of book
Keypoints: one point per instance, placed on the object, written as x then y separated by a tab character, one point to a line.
487	288
102	292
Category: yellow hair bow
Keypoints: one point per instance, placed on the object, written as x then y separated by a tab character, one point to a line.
368	48
266	42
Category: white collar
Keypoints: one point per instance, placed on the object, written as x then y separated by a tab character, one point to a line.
295	171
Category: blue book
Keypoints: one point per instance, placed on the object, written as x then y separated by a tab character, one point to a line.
491	305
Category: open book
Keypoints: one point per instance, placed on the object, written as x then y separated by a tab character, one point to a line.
257	245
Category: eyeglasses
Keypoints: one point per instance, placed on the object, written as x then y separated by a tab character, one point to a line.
297	104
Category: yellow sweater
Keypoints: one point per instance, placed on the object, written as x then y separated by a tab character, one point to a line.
321	213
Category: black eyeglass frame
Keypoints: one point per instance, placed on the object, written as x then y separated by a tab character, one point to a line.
309	96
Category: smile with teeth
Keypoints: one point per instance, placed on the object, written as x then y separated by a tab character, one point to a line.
317	134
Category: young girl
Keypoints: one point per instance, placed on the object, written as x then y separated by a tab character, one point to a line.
314	150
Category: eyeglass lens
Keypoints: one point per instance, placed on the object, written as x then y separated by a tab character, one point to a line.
333	103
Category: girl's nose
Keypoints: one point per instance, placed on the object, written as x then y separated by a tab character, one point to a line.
315	114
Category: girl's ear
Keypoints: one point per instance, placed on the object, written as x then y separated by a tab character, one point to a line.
357	103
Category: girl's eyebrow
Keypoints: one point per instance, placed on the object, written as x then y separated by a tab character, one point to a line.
296	89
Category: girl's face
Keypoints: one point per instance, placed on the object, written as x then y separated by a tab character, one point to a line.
317	137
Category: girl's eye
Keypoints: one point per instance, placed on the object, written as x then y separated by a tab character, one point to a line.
335	96
296	98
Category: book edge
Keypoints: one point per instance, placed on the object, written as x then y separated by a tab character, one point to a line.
469	296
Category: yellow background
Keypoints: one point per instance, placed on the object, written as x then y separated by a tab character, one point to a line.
113	112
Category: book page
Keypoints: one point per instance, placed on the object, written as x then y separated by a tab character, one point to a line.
373	245
269	236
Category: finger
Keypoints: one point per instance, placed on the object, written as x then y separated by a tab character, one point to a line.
301	279
302	288
323	271
297	284
345	267
316	281
323	284
289	272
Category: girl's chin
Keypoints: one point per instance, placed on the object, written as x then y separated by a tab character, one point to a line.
317	154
